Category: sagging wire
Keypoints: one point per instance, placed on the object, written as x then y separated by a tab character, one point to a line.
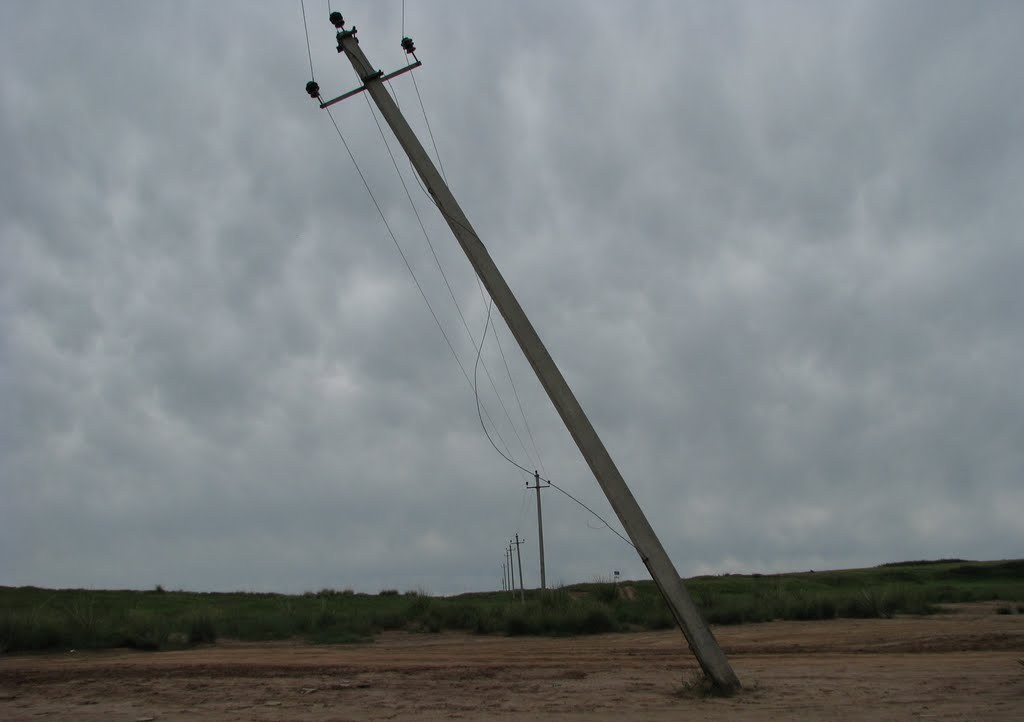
419	182
480	288
444	276
394	239
481	410
408	266
555	486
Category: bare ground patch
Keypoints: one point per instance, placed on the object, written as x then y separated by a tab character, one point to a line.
960	666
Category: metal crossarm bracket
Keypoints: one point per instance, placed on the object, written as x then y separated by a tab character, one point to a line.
379	75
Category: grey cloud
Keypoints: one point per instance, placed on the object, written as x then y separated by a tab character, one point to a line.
774	250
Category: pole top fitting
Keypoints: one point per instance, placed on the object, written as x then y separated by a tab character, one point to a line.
337	20
342	34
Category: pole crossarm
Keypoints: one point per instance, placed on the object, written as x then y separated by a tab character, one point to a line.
694	628
361	88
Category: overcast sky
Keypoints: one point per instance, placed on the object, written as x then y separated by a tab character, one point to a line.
775	248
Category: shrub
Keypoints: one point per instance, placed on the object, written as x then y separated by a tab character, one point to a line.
418	606
605	592
516	624
869	603
141	630
28	632
658	619
324	618
201	629
597	621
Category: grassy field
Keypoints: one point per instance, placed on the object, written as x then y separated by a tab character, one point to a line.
44	619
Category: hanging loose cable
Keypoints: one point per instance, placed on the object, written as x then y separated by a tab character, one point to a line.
454	221
408	266
480	288
481	410
497	341
484	297
512	383
509	460
444	276
476	394
314	91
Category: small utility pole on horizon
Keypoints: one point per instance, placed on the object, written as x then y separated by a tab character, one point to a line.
511	568
540	526
522	589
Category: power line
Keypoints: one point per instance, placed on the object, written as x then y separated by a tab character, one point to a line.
309	51
509	460
412	273
481	410
519	403
405	259
480	288
507	457
497	340
440	268
599	517
440	165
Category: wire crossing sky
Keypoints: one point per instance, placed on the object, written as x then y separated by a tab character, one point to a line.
774	248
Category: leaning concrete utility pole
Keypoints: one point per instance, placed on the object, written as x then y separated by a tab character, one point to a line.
697	632
540	525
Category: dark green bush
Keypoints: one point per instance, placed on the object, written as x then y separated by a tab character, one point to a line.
201	629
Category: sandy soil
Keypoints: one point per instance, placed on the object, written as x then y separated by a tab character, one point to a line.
949	667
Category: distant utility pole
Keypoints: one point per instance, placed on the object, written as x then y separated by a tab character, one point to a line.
696	630
540	525
511	568
522	590
504	577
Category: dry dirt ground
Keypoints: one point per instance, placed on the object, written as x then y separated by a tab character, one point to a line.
960	666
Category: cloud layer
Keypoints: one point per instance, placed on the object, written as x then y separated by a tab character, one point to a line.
775	250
